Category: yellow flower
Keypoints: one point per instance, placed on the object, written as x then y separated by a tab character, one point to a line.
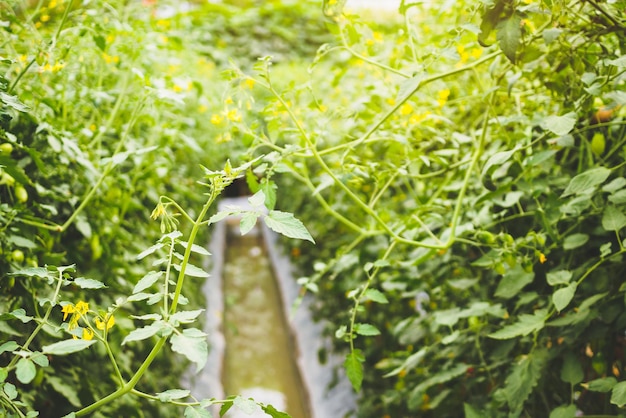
406	109
249	83
110	321
87	334
442	97
216	119
158	211
234	115
82	307
67	309
542	258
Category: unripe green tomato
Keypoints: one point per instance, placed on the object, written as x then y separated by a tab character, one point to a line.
509	259
499	268
9	282
7	179
507	239
96	248
485	237
598	143
17	256
474	323
6	148
21	194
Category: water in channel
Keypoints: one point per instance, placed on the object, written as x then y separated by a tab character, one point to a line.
259	360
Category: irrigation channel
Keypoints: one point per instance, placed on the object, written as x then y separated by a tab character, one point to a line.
260	347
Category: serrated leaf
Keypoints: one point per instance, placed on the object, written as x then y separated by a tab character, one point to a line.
25	370
67	346
444	376
497	160
269	188
286	224
172	394
192	343
524	326
375	296
586	180
366	329
509	35
523	378
613	219
354	369
618	396
562	297
147	281
16	314
144	332
84	283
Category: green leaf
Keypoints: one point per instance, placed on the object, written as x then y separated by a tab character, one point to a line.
269	188
16	314
564	411
67	346
271	411
558	277
195	248
366	329
286	224
586	180
509	34
13	101
144	332
524	326
33	272
513	281
196	412
495	161
8	346
247	406
375	296
172	394
618	62
603	384
65	389
559	125
444	376
257	199
248	221
471	412
354	368
150	250
562	297
192	343
575	241
25	370
613	219
84	283
193	271
572	371
147	281
523	378
185	317
618	396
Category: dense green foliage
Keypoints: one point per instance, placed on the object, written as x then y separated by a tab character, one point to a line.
460	166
